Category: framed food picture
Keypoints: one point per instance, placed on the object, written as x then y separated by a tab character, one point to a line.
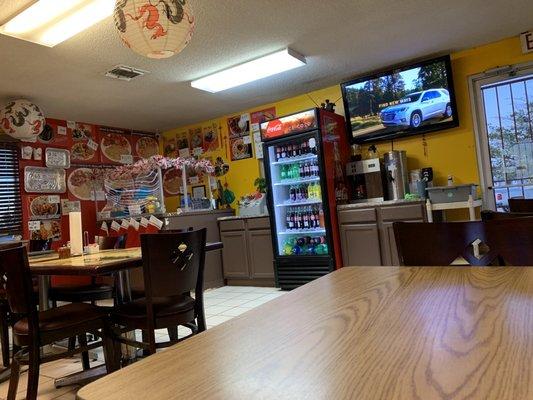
83	185
45	230
172	182
211	140
240	148
198	192
145	146
115	145
54	133
84	148
239	126
170	147
196	138
44	206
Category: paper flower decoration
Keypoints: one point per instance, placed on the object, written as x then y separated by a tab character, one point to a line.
154	29
22	120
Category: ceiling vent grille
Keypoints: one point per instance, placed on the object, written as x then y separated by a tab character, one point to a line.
125	73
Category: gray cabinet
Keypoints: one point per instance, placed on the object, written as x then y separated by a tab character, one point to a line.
367	234
247	256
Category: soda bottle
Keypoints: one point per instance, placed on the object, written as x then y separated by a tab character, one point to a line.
288	219
305	219
321	217
301	171
283	172
292	193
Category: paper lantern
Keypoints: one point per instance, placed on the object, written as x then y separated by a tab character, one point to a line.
155	29
22	120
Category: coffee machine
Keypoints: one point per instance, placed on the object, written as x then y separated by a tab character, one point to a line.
366	180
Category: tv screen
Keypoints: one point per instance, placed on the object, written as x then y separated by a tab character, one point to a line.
403	101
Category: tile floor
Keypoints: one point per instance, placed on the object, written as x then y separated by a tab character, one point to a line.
221	305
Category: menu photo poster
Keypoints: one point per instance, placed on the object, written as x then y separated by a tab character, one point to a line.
85	146
241	148
211	137
45	229
196	141
115	145
170	147
257	117
182	144
43	206
54	133
145	144
239	126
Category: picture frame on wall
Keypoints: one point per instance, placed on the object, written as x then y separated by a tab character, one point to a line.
198	192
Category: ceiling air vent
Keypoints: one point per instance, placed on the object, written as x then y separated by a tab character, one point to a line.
125	73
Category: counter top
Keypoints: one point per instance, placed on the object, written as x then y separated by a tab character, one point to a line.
233	217
368	204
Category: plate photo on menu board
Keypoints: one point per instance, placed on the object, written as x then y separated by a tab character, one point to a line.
146	147
172	181
81	151
81	183
115	146
42	208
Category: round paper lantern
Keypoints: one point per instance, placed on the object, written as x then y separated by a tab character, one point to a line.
22	120
155	29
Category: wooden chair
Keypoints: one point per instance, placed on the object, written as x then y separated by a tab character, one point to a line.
173	266
35	329
521	205
93	291
499	242
487	215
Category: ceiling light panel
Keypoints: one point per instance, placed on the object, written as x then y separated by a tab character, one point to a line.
50	22
250	71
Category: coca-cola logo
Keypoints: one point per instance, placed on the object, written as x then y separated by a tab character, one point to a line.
274	127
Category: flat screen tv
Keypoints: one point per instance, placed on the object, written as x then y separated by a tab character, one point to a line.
399	102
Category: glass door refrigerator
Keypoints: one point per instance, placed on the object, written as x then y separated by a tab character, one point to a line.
305	156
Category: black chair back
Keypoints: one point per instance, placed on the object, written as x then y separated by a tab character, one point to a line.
173	263
501	242
487	215
19	286
521	205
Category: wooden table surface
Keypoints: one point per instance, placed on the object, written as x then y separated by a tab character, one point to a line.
102	263
358	333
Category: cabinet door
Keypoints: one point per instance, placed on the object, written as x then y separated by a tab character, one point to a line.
235	255
389	251
261	253
360	245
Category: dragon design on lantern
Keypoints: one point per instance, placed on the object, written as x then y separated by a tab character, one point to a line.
150	15
15	116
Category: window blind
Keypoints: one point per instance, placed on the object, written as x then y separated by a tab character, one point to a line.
10	201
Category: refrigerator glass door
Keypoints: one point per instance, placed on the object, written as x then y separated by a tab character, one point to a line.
297	193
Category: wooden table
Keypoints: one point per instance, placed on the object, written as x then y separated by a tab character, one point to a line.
358	333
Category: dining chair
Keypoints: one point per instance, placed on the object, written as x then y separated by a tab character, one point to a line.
483	243
173	266
35	329
520	205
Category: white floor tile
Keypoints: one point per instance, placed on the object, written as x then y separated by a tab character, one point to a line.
214	310
235	311
217	319
213	301
235	302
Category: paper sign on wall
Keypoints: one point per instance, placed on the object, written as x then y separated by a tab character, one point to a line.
62	130
53	199
71	124
185	153
68	206
34	226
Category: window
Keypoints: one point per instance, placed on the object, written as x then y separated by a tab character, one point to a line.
504	111
426	96
10	203
435	94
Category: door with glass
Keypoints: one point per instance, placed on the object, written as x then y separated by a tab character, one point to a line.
503	107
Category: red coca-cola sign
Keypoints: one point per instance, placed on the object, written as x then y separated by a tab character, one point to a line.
288	125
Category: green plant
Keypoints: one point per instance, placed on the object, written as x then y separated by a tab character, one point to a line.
261	185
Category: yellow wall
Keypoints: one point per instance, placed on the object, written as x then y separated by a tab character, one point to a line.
449	152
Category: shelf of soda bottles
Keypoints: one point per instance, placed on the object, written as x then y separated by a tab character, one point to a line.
297	181
291	160
299	203
303	232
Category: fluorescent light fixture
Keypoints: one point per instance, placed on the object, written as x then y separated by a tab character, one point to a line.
250	71
50	22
